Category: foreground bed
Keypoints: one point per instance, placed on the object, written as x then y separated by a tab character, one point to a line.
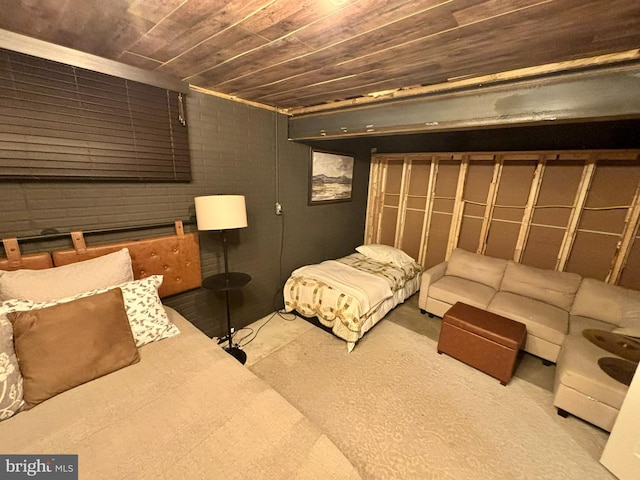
180	408
351	294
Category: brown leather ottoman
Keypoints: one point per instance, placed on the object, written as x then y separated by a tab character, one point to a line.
482	339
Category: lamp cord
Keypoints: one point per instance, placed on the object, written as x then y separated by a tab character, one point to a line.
289	317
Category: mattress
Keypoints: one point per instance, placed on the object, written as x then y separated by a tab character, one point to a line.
350	302
186	410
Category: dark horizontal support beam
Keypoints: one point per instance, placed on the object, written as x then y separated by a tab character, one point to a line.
54	234
611	93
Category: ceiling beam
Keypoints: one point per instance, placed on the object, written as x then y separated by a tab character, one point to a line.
608	93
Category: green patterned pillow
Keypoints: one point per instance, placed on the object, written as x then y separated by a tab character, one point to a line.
147	317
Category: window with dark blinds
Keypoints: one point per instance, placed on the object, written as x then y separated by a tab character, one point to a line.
59	121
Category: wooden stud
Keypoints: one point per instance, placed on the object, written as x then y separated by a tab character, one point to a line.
492	194
632	222
402	202
576	213
389	161
379	204
525	226
373	199
383	181
458	207
426	227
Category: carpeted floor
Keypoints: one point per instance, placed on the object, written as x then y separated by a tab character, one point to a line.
397	409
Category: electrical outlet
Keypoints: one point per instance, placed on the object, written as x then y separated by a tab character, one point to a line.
278	208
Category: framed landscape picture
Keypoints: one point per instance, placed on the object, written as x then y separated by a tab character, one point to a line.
330	177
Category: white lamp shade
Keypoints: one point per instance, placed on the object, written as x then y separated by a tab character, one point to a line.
221	212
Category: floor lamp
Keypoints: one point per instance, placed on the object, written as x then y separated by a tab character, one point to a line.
224	212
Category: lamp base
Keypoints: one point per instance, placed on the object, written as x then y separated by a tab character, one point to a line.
238	354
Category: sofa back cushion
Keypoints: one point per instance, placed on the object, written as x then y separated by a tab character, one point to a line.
606	302
472	266
549	286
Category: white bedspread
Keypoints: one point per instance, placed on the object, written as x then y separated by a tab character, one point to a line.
367	289
350	294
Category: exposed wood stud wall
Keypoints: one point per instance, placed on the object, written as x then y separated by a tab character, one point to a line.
525	227
491	201
458	206
402	206
373	201
572	211
431	185
576	211
624	246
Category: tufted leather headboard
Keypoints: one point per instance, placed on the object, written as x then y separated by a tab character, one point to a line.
176	257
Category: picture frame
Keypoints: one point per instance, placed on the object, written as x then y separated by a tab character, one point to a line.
330	177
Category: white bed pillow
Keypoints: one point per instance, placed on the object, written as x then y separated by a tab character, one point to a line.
385	254
147	317
60	282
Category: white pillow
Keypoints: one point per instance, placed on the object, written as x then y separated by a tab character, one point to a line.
60	282
385	254
147	317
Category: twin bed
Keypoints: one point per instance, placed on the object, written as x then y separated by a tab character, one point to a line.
351	294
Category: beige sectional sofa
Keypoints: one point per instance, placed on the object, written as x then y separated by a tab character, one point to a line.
555	307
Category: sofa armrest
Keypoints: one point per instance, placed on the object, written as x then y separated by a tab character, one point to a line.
430	276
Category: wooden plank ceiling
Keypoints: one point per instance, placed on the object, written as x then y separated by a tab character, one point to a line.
299	53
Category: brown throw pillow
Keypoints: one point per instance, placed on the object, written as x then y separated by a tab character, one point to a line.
66	345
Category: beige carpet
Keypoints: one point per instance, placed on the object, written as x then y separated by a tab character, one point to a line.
397	409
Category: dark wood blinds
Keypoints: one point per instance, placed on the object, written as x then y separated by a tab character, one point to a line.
60	121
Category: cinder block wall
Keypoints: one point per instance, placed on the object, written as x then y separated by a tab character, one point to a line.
233	151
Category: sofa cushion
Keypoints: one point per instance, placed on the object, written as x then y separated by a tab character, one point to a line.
578	368
475	267
630	324
542	319
555	288
577	324
450	289
606	302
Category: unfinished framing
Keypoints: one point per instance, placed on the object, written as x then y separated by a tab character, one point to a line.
575	211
